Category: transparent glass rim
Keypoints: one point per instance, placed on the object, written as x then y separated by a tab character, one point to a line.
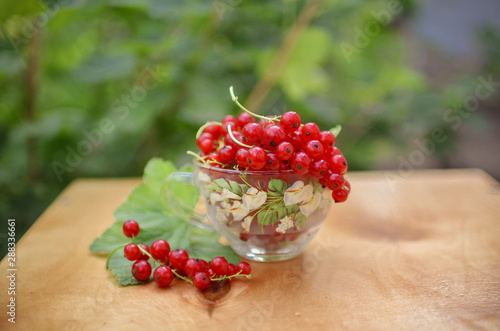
244	172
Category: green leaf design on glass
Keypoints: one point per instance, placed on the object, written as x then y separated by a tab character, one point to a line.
277	187
232	186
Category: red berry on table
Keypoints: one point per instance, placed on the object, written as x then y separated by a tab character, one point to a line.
314	149
272	163
251	133
285	151
204	265
338	164
178	258
300	163
272	136
193	266
143	256
159	250
130	229
226	154
290	121
163	276
310	131
243	119
215	130
141	270
319	168
256	158
327	139
340	195
335	181
242	158
201	280
244	267
132	252
219	265
231	269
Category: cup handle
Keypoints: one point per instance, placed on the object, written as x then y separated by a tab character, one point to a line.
179	207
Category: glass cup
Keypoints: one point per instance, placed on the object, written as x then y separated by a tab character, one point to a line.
263	215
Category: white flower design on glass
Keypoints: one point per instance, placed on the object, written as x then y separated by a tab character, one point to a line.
298	193
285	224
309	207
238	210
254	198
246	223
222	212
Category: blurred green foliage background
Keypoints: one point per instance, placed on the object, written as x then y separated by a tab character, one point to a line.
96	88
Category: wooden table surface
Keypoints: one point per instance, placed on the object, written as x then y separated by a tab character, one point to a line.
403	253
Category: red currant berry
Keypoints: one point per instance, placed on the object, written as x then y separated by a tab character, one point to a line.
231	270
242	158
226	154
314	149
324	180
163	276
206	146
219	265
229	118
284	166
330	153
228	140
256	158
141	270
300	163
213	159
192	267
347	186
295	138
290	121
226	125
204	265
159	250
340	195
178	258
201	280
243	119
215	130
204	136
335	182
251	133
244	267
272	136
210	273
132	252
285	151
327	139
338	164
143	256
310	131
319	168
130	229
272	163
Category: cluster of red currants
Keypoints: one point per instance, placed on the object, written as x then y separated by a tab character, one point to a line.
281	143
176	263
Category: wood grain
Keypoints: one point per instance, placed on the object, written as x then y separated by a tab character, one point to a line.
416	253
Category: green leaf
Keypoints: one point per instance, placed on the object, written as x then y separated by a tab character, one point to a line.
122	269
277	187
336	130
300	220
156	172
232	186
205	245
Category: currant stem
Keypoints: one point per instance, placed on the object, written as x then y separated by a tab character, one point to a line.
235	99
239	274
113	252
200	130
182	277
234	139
199	158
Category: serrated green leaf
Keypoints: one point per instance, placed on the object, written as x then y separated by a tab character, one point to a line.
277	187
